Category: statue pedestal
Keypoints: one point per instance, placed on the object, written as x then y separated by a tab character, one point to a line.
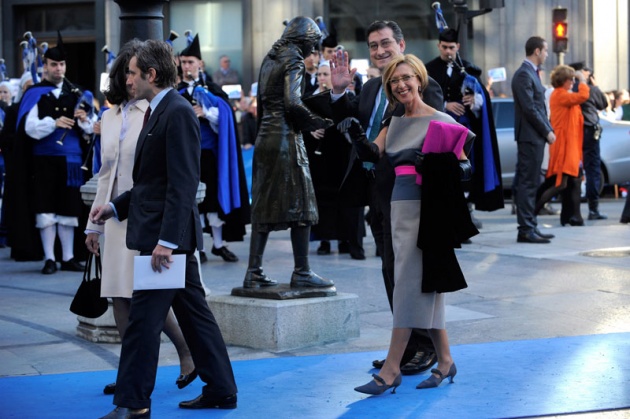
102	329
282	325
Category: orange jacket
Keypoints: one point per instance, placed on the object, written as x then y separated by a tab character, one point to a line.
565	154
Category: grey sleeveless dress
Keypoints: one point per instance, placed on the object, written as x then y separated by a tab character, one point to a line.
412	307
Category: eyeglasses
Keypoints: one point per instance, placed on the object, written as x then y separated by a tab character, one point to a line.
404	79
385	43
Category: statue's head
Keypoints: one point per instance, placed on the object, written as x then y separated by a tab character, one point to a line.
304	32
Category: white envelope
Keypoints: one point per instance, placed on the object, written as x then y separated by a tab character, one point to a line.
144	278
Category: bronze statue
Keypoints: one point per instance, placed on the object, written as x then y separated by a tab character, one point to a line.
282	190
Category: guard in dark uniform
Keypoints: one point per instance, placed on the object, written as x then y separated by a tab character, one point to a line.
224	211
467	100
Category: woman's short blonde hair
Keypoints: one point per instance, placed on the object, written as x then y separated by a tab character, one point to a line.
561	74
416	65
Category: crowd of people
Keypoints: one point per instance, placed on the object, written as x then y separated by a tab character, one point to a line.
416	144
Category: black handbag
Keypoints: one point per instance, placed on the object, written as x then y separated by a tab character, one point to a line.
87	301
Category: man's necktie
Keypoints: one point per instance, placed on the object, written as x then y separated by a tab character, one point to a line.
376	124
538	72
147	115
378	118
449	69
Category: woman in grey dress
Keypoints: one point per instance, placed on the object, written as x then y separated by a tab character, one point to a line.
404	80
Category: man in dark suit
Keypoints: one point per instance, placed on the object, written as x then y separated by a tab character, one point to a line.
164	220
531	130
385	41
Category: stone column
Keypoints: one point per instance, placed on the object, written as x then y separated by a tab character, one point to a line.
142	19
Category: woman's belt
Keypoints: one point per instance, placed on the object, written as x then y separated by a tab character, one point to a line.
408	170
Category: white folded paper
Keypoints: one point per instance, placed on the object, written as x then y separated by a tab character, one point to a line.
144	278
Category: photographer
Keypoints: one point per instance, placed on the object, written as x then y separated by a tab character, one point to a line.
590	147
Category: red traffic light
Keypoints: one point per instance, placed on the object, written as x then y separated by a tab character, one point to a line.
560	30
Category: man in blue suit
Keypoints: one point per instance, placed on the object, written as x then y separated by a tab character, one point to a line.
532	131
164	220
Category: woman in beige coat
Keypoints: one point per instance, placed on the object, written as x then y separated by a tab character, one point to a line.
120	127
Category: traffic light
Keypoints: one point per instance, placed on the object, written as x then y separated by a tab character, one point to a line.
560	34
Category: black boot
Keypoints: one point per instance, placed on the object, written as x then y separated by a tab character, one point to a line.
255	277
302	276
593	212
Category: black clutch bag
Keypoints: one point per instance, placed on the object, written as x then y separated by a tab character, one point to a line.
88	302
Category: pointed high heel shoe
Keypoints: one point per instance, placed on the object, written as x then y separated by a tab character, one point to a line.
375	389
434	381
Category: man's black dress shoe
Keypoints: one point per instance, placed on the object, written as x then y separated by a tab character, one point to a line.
421	362
203	258
184	379
596	215
207	402
531	237
378	363
357	254
573	222
624	220
225	254
72	265
324	248
343	247
125	413
544	236
110	389
50	267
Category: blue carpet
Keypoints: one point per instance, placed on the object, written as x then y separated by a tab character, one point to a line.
495	380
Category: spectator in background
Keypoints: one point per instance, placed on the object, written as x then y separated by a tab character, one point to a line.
373	72
225	74
5	101
533	131
340	203
26	81
565	154
625	105
614	111
310	76
249	125
590	148
6	97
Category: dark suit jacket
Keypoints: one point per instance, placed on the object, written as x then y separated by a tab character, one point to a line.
162	205
531	123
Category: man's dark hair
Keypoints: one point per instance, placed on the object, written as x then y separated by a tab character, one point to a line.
533	43
157	55
377	25
116	93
